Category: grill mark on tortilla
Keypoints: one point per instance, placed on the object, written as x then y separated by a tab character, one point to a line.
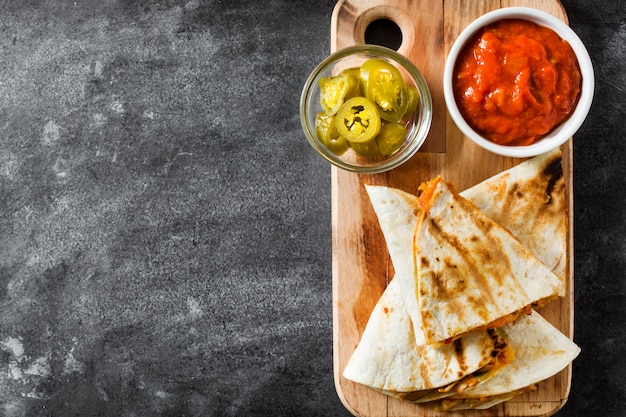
442	291
423	366
553	172
460	357
545	190
490	241
515	192
439	289
548	187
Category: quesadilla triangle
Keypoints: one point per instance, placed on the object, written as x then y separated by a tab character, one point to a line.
529	200
394	360
397	213
392	356
373	363
471	272
541	351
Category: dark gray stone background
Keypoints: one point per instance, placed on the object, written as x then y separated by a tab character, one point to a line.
165	242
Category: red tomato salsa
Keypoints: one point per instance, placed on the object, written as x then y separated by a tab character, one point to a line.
516	81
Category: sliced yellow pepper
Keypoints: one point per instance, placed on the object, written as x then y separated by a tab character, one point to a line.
326	131
334	91
358	120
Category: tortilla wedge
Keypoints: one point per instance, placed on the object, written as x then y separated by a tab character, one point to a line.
394	360
392	355
397	212
529	200
471	272
541	351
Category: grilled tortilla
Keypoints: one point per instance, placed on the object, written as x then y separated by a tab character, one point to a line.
385	357
471	272
541	351
392	359
529	200
397	213
392	355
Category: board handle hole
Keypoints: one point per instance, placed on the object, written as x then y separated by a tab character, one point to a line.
383	32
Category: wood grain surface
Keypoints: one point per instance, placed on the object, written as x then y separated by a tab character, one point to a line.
361	265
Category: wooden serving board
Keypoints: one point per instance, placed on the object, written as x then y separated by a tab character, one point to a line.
361	264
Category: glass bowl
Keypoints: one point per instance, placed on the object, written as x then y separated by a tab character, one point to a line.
559	134
417	123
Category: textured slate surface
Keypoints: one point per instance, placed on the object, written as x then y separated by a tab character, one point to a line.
165	227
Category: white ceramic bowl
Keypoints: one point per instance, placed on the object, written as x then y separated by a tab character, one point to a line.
561	133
